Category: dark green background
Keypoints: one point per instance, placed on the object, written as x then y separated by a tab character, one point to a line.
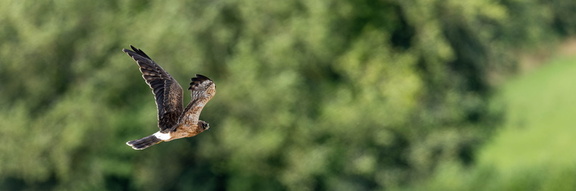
311	94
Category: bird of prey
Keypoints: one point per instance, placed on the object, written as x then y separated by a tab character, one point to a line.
174	121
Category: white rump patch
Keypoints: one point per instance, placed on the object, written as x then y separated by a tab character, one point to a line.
162	136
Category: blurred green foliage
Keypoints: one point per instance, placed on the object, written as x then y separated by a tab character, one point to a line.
312	95
533	149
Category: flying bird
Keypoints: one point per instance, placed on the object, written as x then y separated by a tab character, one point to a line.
174	121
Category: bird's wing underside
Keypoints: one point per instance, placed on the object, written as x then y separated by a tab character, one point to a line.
202	90
166	89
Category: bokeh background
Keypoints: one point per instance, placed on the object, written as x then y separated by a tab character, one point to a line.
312	95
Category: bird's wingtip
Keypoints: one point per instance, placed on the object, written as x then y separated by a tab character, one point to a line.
200	77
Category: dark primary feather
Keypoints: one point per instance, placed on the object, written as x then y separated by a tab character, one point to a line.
140	52
166	89
196	81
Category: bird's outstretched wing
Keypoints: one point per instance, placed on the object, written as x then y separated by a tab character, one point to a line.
202	90
166	89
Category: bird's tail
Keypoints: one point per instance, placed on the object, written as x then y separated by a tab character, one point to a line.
143	143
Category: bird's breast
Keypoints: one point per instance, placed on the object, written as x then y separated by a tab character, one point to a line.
185	131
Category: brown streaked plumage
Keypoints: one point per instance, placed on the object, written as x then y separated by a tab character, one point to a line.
174	121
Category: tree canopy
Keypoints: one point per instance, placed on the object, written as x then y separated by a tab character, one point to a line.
311	95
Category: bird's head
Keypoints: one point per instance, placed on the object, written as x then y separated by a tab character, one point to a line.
203	125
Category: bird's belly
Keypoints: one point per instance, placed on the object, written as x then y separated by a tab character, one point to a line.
182	132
